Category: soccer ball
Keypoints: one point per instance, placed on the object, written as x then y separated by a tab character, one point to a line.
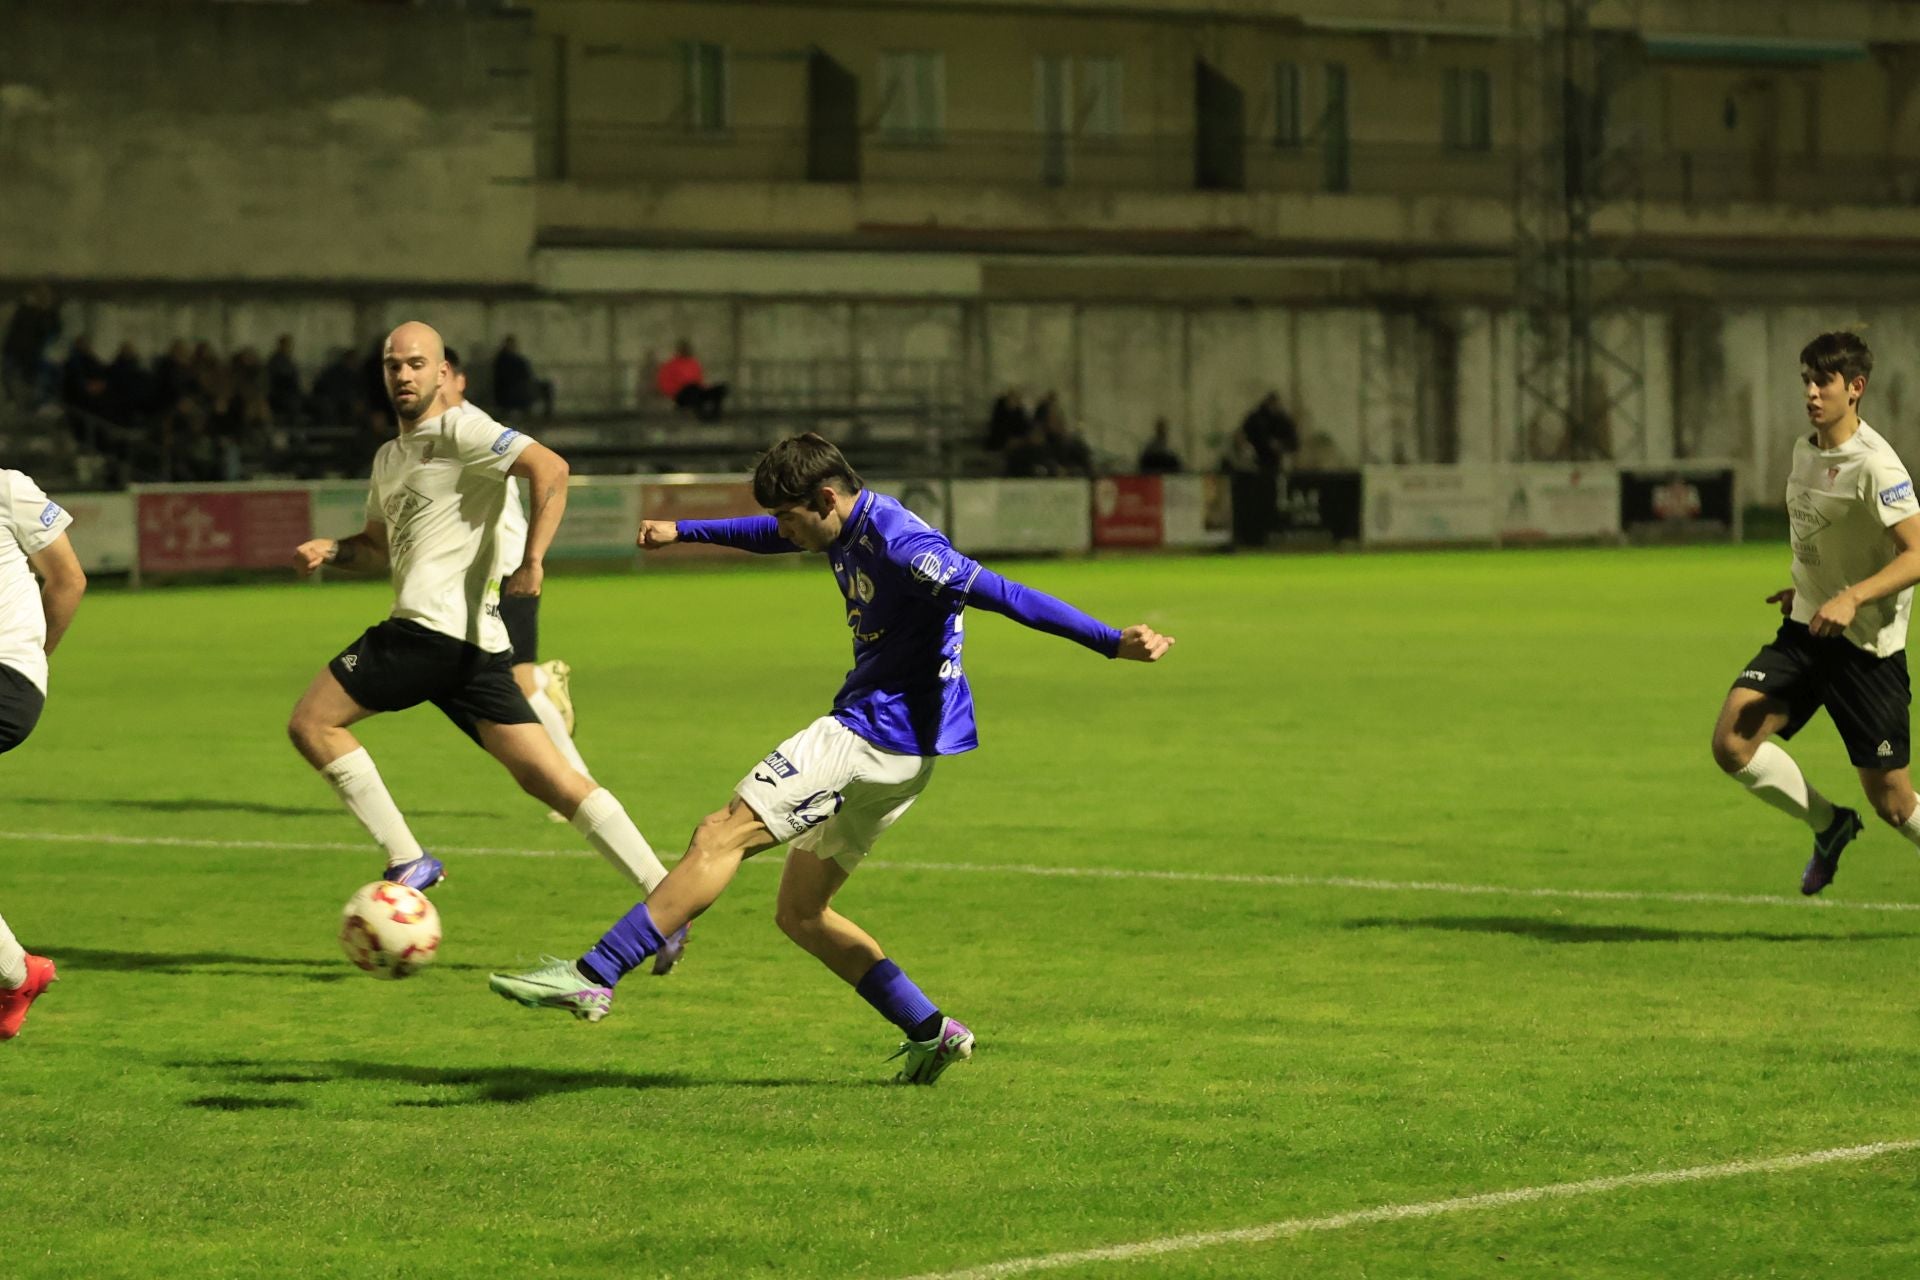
390	930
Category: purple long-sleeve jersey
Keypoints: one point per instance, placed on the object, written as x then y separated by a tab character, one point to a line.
906	589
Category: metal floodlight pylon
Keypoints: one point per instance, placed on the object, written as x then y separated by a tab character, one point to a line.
1580	363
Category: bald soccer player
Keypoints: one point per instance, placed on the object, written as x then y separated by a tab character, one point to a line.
433	520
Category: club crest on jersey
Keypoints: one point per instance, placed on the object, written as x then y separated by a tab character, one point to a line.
1899	493
863	586
505	441
1833	473
48	514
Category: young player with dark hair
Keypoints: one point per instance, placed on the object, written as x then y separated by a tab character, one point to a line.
833	788
1842	642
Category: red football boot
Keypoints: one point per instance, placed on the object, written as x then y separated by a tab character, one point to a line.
15	1003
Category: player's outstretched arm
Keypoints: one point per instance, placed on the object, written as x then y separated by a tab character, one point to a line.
758	534
1143	644
364	552
655	534
62	583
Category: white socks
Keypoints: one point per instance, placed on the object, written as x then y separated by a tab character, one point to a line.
1773	777
607	828
1911	827
355	780
556	726
13	959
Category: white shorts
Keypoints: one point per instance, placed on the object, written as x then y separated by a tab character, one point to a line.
831	792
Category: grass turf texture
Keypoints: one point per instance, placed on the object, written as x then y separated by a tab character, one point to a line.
212	1091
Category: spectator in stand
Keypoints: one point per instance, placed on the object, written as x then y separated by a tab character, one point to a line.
683	381
336	401
1008	421
515	389
83	379
131	390
24	374
1158	458
284	396
1027	455
1267	439
173	378
1067	450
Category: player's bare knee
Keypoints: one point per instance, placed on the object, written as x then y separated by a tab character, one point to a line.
796	922
1732	752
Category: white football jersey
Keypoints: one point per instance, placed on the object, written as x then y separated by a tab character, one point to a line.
513	529
441	489
1841	503
29	523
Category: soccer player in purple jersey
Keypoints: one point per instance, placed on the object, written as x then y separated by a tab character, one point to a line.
835	786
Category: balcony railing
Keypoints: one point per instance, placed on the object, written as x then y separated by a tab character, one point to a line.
599	154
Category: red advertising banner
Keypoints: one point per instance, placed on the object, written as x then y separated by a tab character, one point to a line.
185	531
697	500
1128	511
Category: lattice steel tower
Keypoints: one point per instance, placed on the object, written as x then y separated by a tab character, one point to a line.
1581	332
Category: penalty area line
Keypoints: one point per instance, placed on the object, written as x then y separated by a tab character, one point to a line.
1428	1209
1357	883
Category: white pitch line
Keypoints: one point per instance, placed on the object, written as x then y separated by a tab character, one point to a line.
1083	873
1428	1209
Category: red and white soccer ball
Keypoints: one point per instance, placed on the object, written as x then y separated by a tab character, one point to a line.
390	930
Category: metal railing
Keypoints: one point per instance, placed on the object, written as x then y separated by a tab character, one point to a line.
602	153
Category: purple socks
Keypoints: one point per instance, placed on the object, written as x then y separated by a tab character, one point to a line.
893	994
622	948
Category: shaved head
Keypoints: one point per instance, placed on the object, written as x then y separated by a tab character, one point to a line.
415	363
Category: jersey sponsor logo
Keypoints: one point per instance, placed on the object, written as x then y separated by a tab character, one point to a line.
862	637
1899	493
505	441
930	566
781	766
48	514
1753	675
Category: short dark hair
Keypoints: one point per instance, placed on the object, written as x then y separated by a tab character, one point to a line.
795	468
453	358
1839	352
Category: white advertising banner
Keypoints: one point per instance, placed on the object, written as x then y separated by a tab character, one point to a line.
103	535
603	515
339	509
1545	501
994	516
1197	511
1433	504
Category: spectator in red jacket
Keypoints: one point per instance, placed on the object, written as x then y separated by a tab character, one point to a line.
684	382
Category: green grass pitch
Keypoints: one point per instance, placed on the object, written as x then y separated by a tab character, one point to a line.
211	1091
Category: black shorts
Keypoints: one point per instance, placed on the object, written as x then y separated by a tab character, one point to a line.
20	704
522	616
401	664
1866	696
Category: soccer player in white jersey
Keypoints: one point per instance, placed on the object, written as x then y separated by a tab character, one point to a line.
1842	643
433	517
33	540
545	684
